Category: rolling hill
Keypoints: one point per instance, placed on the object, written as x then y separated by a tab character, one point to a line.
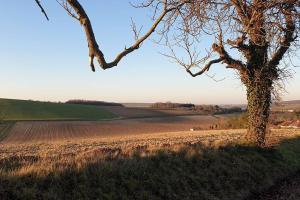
12	109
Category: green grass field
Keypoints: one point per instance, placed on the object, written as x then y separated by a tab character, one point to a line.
13	110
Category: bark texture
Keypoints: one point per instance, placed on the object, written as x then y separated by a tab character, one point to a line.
259	101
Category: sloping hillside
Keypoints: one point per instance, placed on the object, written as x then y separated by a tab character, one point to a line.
11	109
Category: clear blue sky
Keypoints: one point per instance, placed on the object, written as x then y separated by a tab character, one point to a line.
44	60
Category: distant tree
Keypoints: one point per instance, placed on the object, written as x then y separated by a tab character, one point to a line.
260	34
94	103
170	105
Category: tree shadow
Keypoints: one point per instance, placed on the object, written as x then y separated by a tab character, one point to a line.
190	171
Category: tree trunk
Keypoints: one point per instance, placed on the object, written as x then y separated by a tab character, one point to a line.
259	100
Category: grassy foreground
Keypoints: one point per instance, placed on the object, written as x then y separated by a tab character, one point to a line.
211	171
11	109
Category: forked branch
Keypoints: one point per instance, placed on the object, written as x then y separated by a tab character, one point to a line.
288	37
205	68
94	50
224	55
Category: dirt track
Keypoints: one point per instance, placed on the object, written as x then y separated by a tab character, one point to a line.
47	131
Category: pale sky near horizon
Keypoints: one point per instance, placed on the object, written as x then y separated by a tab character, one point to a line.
44	60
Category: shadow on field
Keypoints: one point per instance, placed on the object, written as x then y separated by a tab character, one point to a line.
193	171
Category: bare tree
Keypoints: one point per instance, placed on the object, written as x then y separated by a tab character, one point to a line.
251	37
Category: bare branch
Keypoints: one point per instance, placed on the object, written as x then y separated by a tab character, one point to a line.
42	9
65	6
287	40
94	50
232	63
136	32
205	68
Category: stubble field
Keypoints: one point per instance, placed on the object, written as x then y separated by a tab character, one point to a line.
207	164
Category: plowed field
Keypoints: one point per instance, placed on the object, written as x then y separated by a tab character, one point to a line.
47	131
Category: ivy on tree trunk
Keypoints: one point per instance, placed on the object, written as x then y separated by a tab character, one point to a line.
259	90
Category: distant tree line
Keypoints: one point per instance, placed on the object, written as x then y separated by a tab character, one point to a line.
170	105
206	109
94	103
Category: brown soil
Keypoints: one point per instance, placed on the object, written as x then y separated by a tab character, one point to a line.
130	112
127	112
48	131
